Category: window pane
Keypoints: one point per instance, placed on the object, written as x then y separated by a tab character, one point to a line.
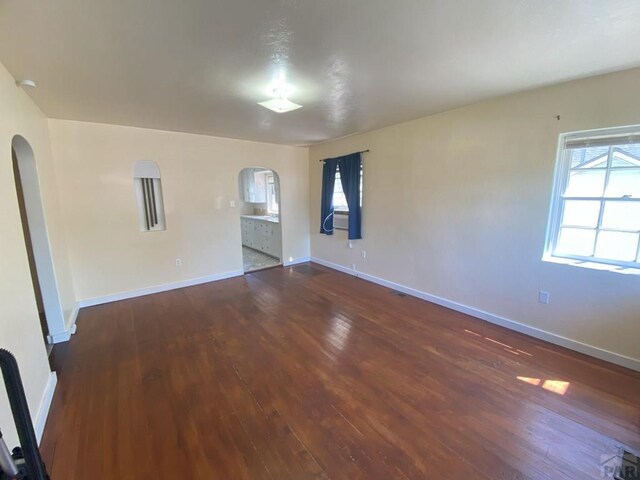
576	241
339	198
592	157
624	182
617	246
586	183
581	213
626	156
621	215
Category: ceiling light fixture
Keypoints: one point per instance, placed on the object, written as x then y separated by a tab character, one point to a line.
280	103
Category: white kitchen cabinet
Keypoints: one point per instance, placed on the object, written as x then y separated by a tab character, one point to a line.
254	186
262	235
247	231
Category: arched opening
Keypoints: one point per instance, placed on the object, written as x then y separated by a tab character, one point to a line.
148	187
259	191
36	240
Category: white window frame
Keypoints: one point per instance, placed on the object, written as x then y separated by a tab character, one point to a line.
272	191
561	177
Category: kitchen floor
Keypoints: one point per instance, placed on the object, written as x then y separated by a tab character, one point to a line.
254	260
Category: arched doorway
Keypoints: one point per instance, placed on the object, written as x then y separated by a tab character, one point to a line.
36	239
259	191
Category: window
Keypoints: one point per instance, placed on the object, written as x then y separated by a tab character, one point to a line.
339	198
348	170
595	211
340	206
272	195
148	189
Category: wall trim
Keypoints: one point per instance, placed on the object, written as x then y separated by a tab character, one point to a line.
70	328
59	337
45	405
71	322
556	339
90	302
296	261
335	266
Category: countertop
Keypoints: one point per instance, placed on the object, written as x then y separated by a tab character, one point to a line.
264	218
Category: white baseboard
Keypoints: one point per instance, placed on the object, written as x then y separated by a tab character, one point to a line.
90	302
71	322
59	337
296	261
575	345
45	405
335	266
70	328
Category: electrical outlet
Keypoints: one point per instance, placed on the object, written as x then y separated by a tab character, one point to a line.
353	266
544	297
364	254
232	203
178	262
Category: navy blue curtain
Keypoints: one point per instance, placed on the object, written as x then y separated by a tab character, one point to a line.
350	166
326	202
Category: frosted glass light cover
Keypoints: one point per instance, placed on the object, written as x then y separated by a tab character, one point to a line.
280	105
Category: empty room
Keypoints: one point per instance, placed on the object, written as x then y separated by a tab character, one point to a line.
329	239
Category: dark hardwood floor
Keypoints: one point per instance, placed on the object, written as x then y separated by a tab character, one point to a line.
303	372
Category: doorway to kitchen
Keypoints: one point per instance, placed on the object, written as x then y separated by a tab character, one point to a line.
261	232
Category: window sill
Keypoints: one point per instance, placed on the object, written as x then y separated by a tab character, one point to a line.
592	265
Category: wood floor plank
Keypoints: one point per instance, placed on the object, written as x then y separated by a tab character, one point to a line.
307	373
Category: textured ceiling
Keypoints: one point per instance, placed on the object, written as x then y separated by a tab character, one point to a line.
201	65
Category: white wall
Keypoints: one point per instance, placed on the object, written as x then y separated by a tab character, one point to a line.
20	330
108	253
456	205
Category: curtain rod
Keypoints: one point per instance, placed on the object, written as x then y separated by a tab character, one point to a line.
361	151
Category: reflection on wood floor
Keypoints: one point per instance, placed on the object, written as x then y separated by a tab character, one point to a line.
304	372
254	260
